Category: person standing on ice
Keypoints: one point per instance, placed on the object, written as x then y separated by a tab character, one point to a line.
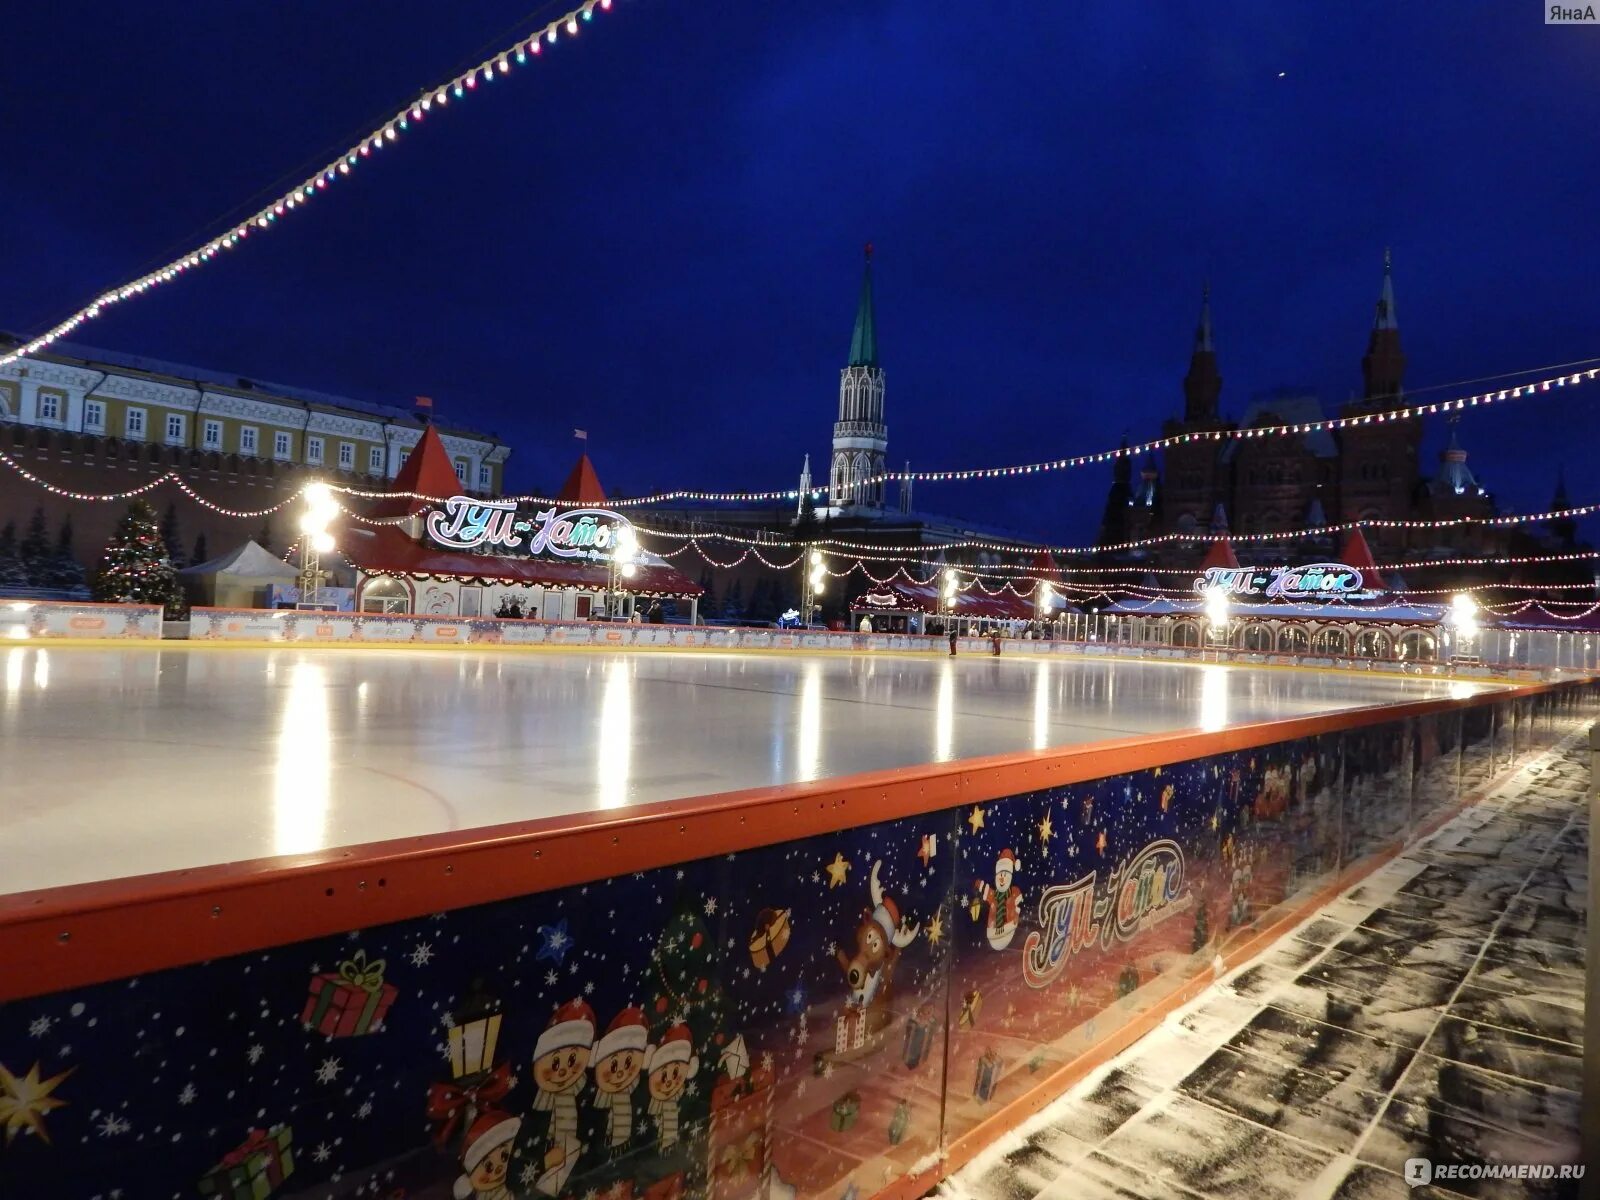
952	639
866	624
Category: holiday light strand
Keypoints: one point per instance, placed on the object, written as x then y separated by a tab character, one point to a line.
384	134
1299	429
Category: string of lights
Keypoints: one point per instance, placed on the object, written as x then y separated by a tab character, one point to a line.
385	134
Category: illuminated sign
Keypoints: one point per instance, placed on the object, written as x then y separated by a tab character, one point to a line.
465	524
1143	891
1325	581
878	600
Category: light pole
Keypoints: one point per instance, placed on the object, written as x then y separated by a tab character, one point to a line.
812	582
1046	603
622	565
315	540
952	589
1464	620
1217	617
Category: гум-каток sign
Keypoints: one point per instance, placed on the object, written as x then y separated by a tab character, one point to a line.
465	524
1313	581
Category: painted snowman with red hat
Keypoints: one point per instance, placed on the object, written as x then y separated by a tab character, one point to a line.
670	1065
619	1058
485	1157
560	1067
1004	901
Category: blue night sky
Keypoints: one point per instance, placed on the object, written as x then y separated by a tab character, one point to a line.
655	233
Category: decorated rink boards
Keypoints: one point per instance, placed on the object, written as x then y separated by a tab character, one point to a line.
786	1021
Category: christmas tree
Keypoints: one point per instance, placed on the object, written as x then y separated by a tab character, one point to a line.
200	554
685	986
169	535
136	569
65	569
11	573
35	551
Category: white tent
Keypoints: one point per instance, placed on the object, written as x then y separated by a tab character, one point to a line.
238	579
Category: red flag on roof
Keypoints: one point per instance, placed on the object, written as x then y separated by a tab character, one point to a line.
424	401
1356	553
1220	555
583	485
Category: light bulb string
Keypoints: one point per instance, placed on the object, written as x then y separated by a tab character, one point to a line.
384	133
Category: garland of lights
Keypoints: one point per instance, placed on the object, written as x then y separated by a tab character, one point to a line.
1406	413
303	193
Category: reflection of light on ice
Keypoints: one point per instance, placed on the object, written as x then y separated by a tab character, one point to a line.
302	780
14	660
1213	699
808	765
1460	690
41	669
944	715
614	740
1041	706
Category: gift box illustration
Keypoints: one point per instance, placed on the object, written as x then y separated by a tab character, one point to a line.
900	1122
741	1113
919	1036
254	1168
668	1188
988	1076
845	1110
351	1001
850	1029
770	937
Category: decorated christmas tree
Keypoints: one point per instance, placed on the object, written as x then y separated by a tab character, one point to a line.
685	986
135	568
12	574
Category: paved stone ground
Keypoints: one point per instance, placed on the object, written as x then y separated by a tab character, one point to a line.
1435	1010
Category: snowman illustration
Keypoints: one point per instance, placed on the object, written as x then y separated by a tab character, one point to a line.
1003	900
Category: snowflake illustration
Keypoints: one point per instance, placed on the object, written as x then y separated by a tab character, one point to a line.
447	1020
572	968
323	1152
711	906
329	1070
550	978
816	877
528	1175
114	1125
187	1096
39	1026
422	955
680	874
365	1110
827	1070
588	988
254	1053
766	1061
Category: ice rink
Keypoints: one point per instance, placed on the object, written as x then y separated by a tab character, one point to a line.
118	762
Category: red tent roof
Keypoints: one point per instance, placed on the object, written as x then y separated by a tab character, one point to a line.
1045	564
428	471
389	550
1220	555
583	485
1356	553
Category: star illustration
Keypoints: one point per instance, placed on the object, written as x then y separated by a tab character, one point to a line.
936	928
976	819
1046	832
930	847
1213	822
25	1101
837	870
1100	842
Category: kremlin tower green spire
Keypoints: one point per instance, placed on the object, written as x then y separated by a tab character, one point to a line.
864	340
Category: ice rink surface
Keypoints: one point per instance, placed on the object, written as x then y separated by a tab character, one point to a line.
118	762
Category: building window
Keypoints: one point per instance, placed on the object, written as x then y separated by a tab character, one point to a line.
404	454
375	461
347	455
247	439
461	471
485	479
49	407
280	445
135	424
94	416
314	450
213	435
175	429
